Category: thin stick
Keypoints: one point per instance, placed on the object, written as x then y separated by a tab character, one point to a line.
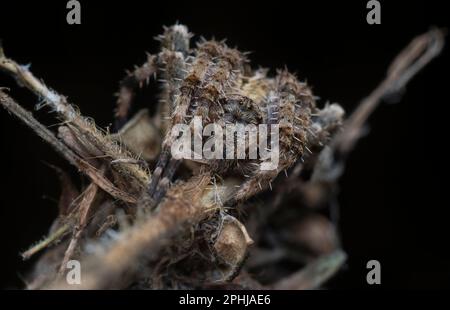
314	274
84	208
56	102
25	116
68	113
46	242
404	67
331	161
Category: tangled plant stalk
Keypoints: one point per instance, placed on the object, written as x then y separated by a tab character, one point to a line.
150	220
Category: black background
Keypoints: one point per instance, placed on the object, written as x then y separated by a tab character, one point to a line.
391	194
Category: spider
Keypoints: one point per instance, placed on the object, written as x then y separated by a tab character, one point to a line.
217	83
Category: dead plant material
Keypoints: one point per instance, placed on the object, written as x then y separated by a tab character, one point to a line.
136	226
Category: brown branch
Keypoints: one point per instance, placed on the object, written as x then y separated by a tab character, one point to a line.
330	163
83	126
10	105
178	213
314	274
49	240
404	67
83	212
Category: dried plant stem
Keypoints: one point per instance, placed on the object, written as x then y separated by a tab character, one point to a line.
314	274
330	163
56	102
404	67
83	211
61	231
9	104
69	114
177	214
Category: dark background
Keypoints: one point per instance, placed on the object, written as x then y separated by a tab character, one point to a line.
392	206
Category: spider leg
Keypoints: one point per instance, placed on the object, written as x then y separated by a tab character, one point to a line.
174	61
128	86
181	105
164	183
175	46
210	77
324	123
167	165
173	74
163	157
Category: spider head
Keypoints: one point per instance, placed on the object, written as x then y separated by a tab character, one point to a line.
240	109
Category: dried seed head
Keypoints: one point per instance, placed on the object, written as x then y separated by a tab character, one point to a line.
231	245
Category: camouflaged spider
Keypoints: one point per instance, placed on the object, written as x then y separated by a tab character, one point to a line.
216	82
